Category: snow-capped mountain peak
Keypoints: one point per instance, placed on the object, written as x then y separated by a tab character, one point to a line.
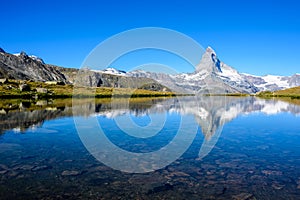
112	71
212	73
273	82
219	70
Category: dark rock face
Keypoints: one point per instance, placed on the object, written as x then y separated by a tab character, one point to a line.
23	67
1	50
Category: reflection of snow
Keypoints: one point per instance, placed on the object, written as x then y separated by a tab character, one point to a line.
232	113
272	107
275	108
226	111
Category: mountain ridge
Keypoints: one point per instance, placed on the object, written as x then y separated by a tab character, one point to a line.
211	75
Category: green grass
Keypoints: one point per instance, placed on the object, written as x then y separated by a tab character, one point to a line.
293	93
11	90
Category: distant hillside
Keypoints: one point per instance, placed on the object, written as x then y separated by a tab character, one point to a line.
289	91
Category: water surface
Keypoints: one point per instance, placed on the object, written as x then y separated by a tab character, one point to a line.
232	148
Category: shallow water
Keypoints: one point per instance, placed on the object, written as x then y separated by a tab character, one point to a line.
178	148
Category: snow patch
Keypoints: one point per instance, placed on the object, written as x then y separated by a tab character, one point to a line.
111	71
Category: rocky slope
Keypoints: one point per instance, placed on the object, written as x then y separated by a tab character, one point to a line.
24	67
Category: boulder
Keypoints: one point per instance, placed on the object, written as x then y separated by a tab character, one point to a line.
42	90
24	87
3	80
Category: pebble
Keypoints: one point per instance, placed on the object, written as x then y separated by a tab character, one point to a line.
26	167
277	186
3	167
13	173
244	196
40	168
270	172
70	173
3	171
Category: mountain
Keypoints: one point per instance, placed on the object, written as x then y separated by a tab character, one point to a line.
211	75
273	83
111	71
24	67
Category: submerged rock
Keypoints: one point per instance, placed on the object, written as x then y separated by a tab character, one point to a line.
244	196
277	186
70	173
40	168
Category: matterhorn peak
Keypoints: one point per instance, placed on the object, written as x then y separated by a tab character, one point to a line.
210	50
209	62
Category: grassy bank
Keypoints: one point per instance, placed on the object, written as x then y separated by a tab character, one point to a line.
293	93
39	90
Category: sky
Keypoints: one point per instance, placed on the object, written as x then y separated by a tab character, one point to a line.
256	37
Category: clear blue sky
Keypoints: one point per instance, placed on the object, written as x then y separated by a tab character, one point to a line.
257	37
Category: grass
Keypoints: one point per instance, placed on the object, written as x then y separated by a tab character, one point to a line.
11	90
293	93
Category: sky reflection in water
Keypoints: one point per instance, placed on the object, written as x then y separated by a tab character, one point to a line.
244	148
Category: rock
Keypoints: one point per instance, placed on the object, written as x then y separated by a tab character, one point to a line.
24	87
70	173
2	166
161	188
24	105
243	196
40	168
9	87
3	80
3	111
271	172
26	167
277	186
51	82
298	182
178	174
13	173
42	90
24	67
23	53
3	172
41	103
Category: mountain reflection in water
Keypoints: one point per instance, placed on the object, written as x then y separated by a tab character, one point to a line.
253	147
210	113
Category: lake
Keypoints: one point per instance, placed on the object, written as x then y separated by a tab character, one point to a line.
150	148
